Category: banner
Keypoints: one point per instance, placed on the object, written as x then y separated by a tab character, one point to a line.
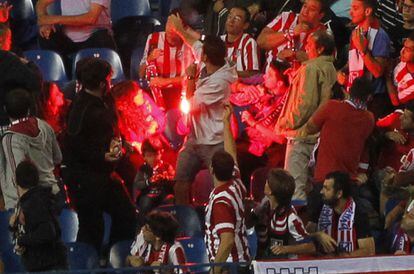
377	264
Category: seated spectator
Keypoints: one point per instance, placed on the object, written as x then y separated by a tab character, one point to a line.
154	181
280	229
344	127
342	227
5	37
403	239
286	36
165	60
34	224
400	82
138	116
241	47
265	103
83	24
28	138
156	244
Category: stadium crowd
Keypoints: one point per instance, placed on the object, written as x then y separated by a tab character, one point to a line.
300	114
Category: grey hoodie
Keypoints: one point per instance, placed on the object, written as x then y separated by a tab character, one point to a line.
31	139
207	104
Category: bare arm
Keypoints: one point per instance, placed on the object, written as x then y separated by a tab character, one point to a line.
88	18
229	143
366	248
223	251
247	73
375	65
41	7
305	248
269	39
391	89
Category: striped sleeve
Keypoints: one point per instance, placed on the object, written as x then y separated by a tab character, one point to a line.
224	217
251	55
296	228
176	255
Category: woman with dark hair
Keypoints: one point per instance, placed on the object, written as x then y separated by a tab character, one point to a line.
155	245
280	229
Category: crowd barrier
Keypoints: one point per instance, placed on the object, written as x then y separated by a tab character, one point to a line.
376	264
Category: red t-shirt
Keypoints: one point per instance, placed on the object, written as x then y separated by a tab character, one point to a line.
344	131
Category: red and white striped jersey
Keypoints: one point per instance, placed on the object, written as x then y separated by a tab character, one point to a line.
167	255
287	21
225	213
174	60
243	52
404	81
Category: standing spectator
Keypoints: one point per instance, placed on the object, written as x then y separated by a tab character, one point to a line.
241	47
286	36
207	97
310	88
92	148
156	244
280	229
368	53
344	128
28	138
400	83
171	56
342	228
226	237
83	24
35	226
391	17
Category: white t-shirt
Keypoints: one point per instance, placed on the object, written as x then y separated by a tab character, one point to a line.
77	7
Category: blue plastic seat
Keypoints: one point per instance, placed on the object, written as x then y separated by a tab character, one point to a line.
106	54
5	235
12	262
172	117
69	225
252	241
136	57
126	8
22	9
82	256
50	64
187	218
54	8
195	252
118	253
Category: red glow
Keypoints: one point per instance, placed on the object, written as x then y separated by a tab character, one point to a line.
184	106
54	107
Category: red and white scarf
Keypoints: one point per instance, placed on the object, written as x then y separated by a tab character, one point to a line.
344	231
356	61
404	81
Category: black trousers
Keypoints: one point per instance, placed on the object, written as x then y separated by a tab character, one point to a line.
92	194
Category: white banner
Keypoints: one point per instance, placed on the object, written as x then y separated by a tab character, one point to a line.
375	264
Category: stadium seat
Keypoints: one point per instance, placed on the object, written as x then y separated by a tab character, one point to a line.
69	225
106	54
118	253
201	187
241	126
22	9
54	8
5	235
187	218
82	256
50	64
107	229
252	241
170	132
126	8
12	262
136	57
195	252
257	183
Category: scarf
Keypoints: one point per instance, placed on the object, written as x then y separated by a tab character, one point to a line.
345	234
404	81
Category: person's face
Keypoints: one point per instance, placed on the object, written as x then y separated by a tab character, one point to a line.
172	38
358	12
236	22
311	12
271	78
408	11
149	236
311	48
329	196
6	41
406	120
151	158
407	52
